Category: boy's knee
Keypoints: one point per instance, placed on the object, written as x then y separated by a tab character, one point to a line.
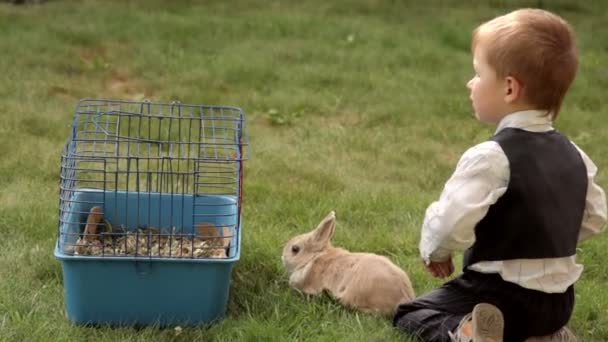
415	321
425	324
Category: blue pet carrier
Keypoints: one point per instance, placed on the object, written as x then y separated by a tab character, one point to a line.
150	212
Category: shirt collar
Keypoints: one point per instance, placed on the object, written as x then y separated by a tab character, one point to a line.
530	120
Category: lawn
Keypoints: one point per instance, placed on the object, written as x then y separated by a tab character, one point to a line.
357	106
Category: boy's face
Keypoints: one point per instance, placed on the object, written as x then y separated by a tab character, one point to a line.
487	91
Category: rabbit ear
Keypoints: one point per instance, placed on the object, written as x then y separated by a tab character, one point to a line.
325	230
226	236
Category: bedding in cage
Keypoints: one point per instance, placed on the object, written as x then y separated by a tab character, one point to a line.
150	211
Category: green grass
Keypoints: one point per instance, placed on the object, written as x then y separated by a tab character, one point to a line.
357	106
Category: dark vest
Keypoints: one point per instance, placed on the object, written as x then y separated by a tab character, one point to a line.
540	214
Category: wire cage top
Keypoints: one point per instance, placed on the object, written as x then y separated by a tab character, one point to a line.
169	171
156	147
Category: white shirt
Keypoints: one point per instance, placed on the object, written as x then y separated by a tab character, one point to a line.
480	179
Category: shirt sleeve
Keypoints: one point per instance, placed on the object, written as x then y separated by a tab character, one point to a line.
480	178
594	218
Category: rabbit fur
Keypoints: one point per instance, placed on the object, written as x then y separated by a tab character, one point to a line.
364	281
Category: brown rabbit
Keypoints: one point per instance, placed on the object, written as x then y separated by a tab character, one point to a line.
364	281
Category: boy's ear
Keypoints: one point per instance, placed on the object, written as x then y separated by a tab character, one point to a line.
513	89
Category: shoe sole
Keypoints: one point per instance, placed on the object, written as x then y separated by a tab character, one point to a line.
488	323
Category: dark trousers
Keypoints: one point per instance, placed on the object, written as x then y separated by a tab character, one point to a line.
526	312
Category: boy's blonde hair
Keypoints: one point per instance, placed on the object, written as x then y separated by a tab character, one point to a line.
535	47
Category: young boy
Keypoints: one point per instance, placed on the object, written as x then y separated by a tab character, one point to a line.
518	203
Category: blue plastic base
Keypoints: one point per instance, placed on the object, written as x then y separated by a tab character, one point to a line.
144	291
123	292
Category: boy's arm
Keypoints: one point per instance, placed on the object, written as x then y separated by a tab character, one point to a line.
480	178
594	218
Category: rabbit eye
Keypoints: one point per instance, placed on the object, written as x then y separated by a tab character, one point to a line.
295	249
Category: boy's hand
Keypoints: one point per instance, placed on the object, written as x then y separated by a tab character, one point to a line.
440	269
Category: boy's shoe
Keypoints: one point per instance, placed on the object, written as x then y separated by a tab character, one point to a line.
488	323
484	324
562	335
